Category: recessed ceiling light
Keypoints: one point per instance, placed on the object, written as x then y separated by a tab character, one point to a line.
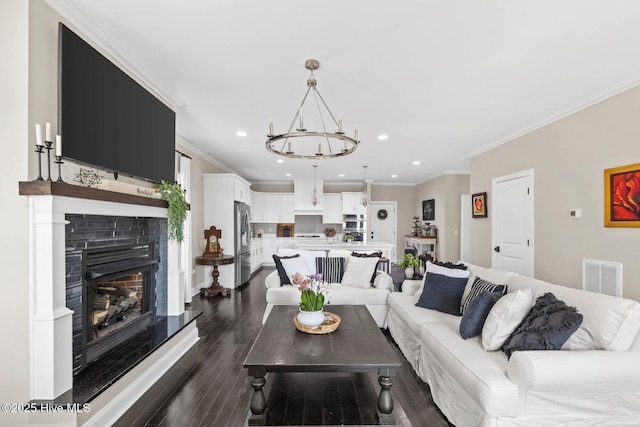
280	161
416	162
394	176
382	137
341	175
241	133
287	174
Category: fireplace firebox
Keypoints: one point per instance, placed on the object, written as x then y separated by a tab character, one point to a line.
118	295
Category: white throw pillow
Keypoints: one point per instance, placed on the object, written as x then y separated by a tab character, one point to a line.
437	269
358	271
505	316
296	265
308	256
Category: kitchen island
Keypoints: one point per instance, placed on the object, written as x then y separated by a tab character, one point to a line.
313	245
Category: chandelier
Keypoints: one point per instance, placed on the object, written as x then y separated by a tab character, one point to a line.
306	144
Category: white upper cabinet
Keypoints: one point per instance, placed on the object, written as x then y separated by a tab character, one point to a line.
241	192
259	207
280	207
273	208
302	196
332	211
352	204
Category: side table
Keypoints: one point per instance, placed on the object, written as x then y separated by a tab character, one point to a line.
215	287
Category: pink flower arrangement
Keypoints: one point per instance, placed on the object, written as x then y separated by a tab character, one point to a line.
311	297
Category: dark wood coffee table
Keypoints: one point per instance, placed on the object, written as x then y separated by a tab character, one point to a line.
357	345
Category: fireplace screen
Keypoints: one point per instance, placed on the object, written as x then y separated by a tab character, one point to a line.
116	303
120	296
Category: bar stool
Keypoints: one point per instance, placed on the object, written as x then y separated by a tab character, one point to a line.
383	264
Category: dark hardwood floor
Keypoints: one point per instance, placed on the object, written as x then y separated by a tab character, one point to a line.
209	387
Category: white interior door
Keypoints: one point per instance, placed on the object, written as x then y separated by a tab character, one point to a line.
384	230
512	224
465	229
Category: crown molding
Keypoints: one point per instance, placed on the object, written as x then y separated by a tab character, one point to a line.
101	39
589	101
444	172
195	150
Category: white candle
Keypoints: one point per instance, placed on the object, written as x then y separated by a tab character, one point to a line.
289	147
39	135
48	132
301	119
355	135
58	146
319	149
340	123
271	126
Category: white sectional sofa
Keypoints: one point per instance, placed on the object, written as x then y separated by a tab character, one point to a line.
374	296
597	383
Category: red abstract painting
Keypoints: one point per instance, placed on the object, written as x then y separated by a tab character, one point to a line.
622	200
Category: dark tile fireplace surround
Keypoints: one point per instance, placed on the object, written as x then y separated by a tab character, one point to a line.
116	284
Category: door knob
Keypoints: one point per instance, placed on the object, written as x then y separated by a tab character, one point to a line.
497	249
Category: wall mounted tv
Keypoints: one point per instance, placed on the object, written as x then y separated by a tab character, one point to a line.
107	119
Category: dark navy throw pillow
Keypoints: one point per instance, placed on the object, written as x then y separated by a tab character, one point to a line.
284	279
476	313
442	293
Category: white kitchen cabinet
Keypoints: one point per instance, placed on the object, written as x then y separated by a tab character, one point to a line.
302	196
256	254
241	190
332	210
281	207
352	204
259	207
269	249
273	208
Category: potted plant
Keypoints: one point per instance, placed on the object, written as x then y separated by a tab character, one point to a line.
177	213
311	298
410	263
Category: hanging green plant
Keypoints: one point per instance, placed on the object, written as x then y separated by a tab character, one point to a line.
382	214
177	212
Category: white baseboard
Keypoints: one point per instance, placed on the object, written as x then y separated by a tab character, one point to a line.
114	409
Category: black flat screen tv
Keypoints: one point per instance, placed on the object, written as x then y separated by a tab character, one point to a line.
108	120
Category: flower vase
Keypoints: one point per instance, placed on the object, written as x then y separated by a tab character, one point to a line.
311	318
408	272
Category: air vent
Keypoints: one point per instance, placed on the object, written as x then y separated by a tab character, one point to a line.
602	277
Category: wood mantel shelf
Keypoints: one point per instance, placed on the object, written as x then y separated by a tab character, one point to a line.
53	188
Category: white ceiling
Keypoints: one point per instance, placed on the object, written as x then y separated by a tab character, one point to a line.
444	79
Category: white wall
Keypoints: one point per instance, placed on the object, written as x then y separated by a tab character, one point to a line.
15	139
446	190
569	157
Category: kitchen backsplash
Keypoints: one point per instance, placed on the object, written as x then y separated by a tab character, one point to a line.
303	224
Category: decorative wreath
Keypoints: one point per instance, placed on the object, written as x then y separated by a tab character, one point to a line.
382	214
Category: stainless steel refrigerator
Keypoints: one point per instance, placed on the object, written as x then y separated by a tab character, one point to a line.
242	255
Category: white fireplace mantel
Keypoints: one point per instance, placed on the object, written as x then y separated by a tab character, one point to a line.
50	319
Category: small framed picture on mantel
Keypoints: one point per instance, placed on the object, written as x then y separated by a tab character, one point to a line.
479	205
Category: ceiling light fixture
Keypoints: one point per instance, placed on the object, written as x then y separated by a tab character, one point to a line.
416	162
383	137
241	133
314	193
280	161
365	193
306	144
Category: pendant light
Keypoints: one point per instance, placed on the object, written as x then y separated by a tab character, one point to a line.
365	193
314	193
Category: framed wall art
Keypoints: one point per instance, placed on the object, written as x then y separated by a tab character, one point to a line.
479	205
429	210
622	196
